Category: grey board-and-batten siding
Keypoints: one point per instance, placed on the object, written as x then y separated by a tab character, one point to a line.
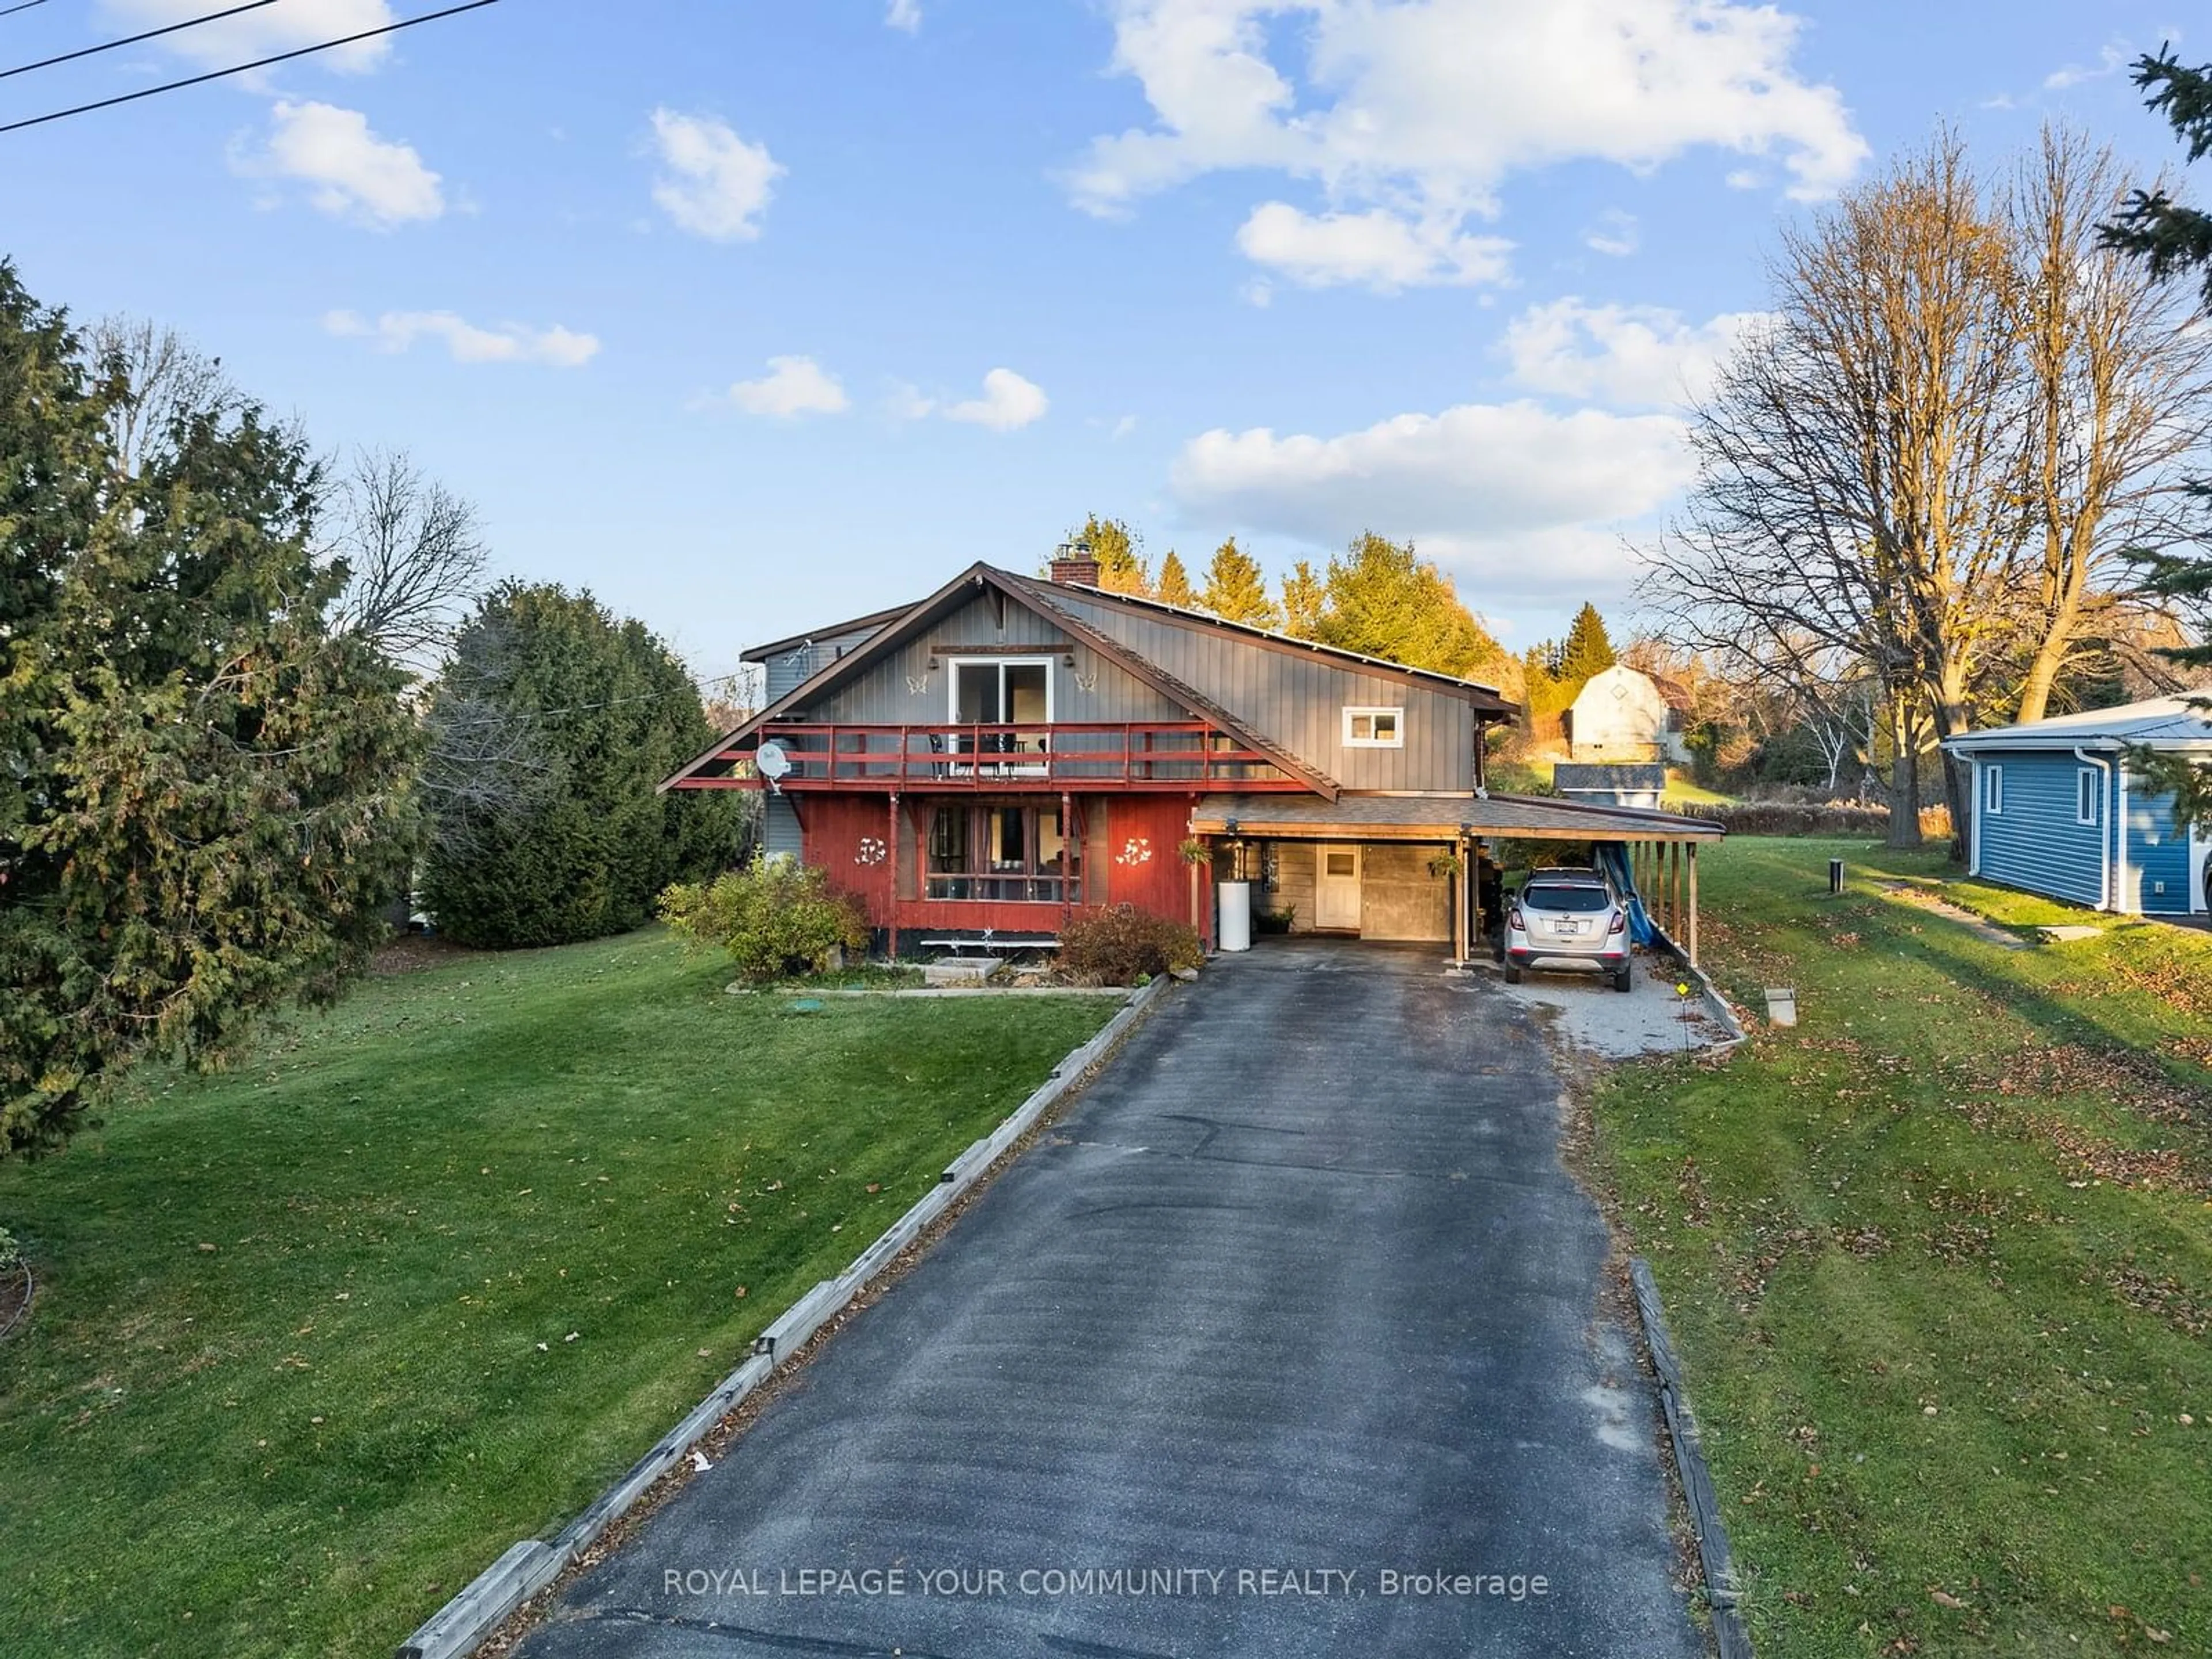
911	687
1298	700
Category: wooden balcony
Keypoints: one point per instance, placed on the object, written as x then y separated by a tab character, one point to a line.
1140	755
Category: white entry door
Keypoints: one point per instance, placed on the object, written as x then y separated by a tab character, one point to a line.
1336	887
2200	875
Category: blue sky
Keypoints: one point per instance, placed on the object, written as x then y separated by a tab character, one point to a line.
747	316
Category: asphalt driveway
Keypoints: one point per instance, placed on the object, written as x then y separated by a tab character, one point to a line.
1299	1297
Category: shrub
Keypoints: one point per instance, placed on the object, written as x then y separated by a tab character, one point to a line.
1122	945
11	1253
774	917
1829	818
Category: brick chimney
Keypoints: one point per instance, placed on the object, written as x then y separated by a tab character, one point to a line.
1080	570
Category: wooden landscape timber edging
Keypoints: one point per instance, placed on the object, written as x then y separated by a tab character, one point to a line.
529	1567
1721	1587
1717	1005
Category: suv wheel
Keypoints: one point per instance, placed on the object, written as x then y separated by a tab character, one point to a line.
1512	972
1625	979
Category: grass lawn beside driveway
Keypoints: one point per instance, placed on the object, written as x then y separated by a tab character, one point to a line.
1939	1260
315	1340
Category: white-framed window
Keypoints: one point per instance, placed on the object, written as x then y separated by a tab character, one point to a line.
2089	794
1373	728
1993	790
999	690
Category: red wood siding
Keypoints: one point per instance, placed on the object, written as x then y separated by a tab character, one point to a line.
1143	867
849	836
1130	848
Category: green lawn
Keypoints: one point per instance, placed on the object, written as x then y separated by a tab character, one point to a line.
1939	1263
1681	788
318	1339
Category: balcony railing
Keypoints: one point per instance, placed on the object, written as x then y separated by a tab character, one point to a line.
1004	889
1121	755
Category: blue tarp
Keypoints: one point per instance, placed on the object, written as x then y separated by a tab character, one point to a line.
1613	858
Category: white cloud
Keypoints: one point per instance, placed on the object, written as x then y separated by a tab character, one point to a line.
1623	354
1377	248
1614	235
903	15
1475	469
716	184
2111	58
792	387
903	401
1424	108
350	172
262	33
466	342
1008	401
1518	498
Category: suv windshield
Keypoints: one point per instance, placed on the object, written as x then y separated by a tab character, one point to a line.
1567	898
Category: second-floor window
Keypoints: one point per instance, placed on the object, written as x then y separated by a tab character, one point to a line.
1373	728
1001	690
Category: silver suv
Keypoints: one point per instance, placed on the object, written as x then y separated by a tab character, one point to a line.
1562	916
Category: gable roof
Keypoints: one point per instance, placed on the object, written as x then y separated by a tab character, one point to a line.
1570	776
958	591
1486	699
2180	722
1671	692
833	630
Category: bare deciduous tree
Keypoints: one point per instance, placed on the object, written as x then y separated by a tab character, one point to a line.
415	555
1929	460
2114	401
162	378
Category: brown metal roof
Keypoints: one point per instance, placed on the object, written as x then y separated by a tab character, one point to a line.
1440	817
920	616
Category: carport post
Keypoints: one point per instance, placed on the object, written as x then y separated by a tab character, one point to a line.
1693	904
1674	889
1461	889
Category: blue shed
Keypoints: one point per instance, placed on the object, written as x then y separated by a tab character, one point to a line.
2056	811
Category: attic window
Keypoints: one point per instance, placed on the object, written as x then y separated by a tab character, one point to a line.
1373	728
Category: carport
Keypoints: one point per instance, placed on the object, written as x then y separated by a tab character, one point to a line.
1436	848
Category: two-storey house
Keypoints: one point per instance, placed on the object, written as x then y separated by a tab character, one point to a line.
1010	748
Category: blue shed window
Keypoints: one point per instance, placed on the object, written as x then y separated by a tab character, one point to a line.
1993	789
2088	793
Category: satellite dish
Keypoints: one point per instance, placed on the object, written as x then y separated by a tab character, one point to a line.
772	764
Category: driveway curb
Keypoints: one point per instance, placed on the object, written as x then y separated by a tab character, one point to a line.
1717	1005
528	1566
1721	1587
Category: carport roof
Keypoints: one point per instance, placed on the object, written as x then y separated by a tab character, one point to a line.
1439	818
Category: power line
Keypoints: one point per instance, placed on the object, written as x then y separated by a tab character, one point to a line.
133	40
240	69
9	11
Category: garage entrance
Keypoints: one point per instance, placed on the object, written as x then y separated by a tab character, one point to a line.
1425	867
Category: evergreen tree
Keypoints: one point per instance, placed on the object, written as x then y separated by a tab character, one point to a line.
2176	242
1382	599
1587	650
1234	589
1174	585
204	786
606	712
1304	599
1119	550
